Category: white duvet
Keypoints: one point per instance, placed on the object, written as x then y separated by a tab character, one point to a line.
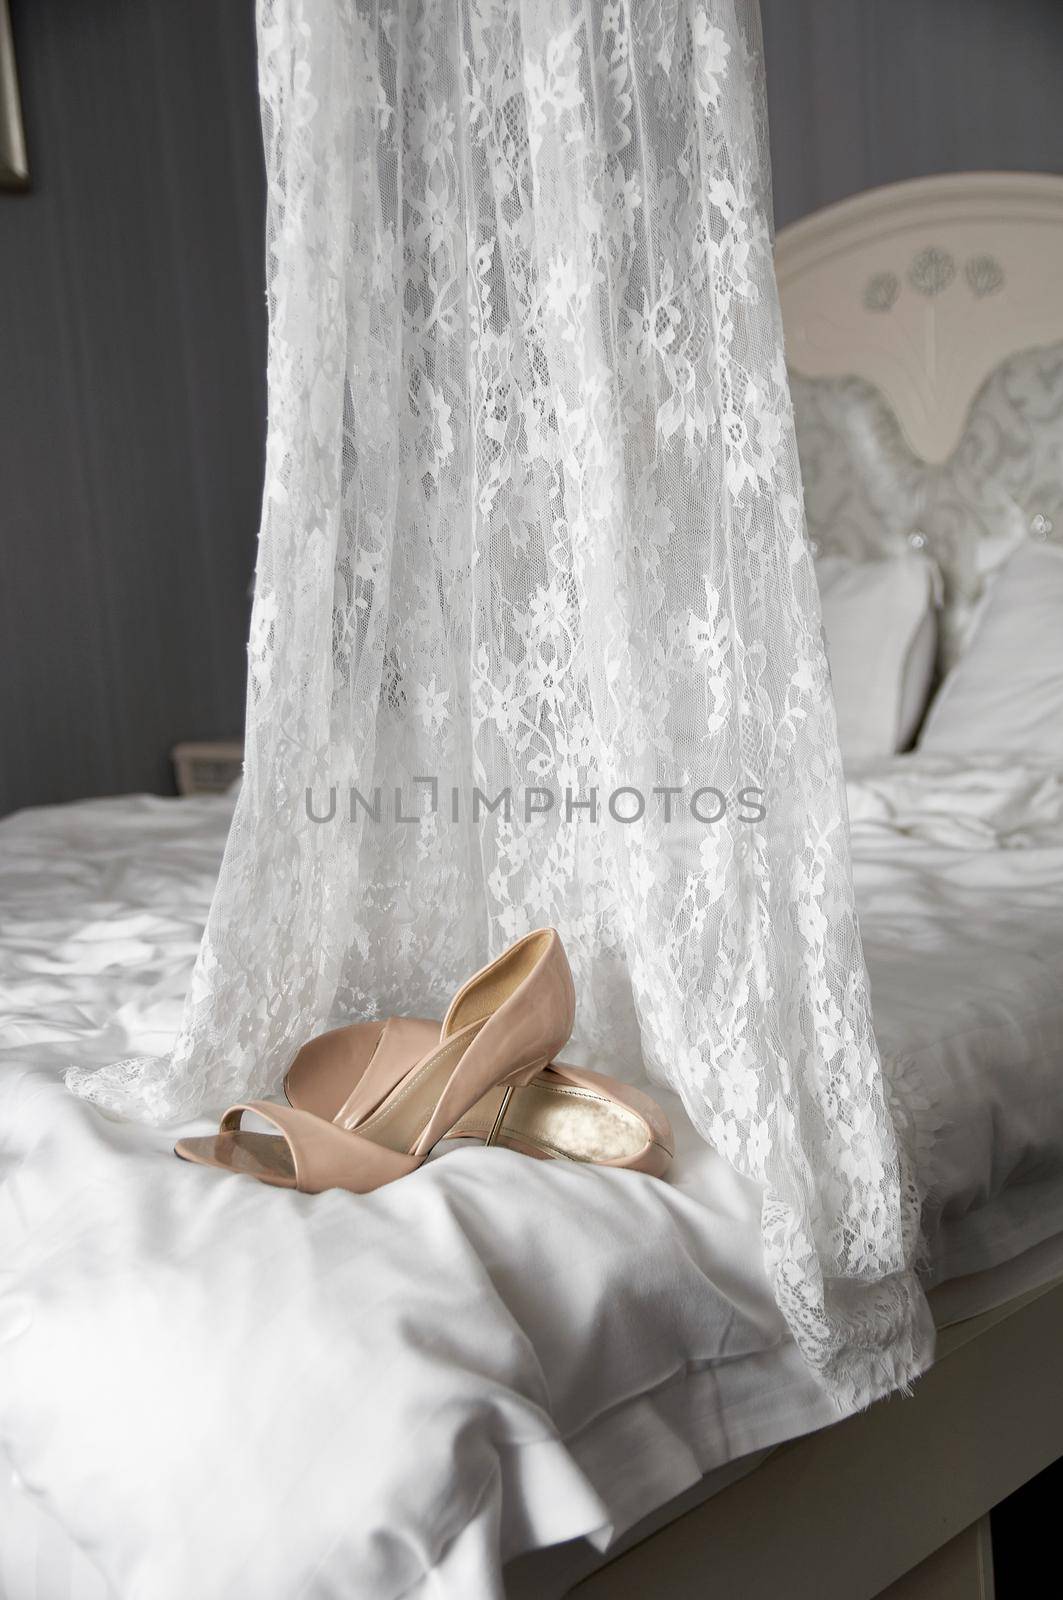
219	1389
959	879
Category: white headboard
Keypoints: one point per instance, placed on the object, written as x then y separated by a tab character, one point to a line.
923	289
924	337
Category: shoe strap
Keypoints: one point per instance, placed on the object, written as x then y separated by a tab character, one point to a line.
323	1155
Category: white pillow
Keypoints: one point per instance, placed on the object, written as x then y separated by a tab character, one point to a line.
880	621
1005	695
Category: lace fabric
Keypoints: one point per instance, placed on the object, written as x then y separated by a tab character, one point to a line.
533	526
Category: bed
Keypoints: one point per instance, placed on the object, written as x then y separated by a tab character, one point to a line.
184	1406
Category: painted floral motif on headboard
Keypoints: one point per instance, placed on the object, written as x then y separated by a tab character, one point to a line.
868	494
931	272
984	275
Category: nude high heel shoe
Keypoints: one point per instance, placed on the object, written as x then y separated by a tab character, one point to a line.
501	1029
564	1113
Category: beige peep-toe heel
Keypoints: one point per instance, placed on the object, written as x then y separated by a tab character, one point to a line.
564	1112
501	1030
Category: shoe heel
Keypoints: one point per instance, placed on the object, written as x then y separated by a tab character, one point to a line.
518	1080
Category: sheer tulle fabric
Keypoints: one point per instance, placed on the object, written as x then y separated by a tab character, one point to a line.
533	523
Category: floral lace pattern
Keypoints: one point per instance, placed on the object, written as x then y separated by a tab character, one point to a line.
533	520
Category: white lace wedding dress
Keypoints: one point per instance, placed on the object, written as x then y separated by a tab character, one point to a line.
533	525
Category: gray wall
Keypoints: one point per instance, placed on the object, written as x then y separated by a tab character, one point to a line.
132	326
865	92
132	339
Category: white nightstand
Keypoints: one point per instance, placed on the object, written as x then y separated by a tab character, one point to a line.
208	767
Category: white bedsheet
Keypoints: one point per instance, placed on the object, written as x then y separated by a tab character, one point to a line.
959	878
217	1388
220	1389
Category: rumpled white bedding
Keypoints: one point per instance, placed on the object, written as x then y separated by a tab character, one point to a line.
959	880
221	1389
